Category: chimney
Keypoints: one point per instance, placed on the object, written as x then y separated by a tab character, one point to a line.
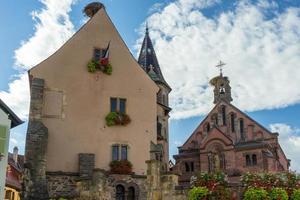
15	154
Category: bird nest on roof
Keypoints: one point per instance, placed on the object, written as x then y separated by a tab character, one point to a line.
91	9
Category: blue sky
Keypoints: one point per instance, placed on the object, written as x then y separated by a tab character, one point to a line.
259	40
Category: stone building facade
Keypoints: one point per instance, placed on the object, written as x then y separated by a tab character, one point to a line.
85	117
229	140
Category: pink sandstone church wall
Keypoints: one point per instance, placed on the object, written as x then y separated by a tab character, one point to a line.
76	122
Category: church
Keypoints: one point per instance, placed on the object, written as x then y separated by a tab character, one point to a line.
228	140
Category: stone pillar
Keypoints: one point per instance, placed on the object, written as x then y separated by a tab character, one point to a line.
34	179
153	179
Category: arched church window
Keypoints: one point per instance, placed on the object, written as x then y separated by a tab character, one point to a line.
207	127
248	160
131	193
242	129
254	159
232	122
187	167
120	192
224	115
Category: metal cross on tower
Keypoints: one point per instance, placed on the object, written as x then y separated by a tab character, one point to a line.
220	65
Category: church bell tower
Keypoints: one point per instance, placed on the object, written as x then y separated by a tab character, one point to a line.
222	89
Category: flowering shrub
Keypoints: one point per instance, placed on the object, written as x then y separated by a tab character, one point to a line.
278	193
215	182
105	67
120	167
288	181
116	118
198	193
295	195
210	180
255	194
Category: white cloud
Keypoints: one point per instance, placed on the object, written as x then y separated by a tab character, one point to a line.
52	28
17	96
260	45
289	139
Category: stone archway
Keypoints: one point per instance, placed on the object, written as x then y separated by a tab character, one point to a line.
120	192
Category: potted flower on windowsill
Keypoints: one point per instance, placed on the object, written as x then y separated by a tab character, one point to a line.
120	167
117	118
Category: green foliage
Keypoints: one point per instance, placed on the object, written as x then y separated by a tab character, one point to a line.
296	194
108	69
110	118
278	193
198	193
92	65
220	192
256	194
116	118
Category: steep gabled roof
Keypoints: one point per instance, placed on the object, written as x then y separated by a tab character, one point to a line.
234	108
148	61
15	120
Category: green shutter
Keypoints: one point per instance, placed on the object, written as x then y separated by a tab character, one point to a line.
3	138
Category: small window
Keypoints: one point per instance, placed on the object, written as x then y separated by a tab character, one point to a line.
254	159
118	105
248	160
97	54
115	152
113	104
124	152
224	115
122	106
232	123
187	167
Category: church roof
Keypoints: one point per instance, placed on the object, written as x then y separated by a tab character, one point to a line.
148	61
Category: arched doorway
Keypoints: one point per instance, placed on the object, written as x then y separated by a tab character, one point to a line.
131	193
120	192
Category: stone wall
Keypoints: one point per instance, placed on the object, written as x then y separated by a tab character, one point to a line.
101	185
34	180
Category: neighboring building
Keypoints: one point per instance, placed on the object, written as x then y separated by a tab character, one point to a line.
77	118
228	140
8	120
14	175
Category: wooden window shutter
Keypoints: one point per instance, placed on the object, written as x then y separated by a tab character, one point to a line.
3	138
